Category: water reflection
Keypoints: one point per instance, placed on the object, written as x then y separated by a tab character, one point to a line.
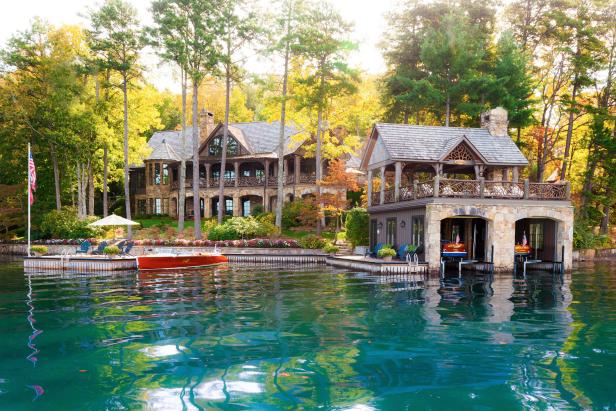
223	338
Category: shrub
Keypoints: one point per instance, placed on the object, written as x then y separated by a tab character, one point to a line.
222	232
257	210
341	236
386	251
331	249
357	222
301	212
312	241
64	224
111	250
41	249
585	237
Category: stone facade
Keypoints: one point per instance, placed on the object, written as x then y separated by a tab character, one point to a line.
501	219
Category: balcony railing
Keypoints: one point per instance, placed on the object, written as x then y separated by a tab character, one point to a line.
449	188
248	181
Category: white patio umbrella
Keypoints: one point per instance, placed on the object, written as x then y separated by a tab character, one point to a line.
113	220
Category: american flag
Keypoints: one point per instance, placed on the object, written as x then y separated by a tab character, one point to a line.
32	175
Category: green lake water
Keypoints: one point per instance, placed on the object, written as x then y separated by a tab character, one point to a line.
270	338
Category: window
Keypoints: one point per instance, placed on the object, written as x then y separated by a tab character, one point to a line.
215	146
229	174
228	206
141	207
157	206
165	174
373	233
390	233
417	231
246	207
536	236
156	174
246	173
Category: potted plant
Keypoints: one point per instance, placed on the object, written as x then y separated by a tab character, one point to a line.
111	250
39	250
331	249
386	253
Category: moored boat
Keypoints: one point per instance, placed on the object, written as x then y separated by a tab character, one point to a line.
171	261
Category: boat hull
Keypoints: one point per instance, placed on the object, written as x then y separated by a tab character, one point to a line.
165	262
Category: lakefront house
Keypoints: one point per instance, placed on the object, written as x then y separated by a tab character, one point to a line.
431	186
250	176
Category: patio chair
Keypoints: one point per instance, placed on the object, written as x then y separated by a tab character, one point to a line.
128	248
402	251
121	244
84	247
100	248
375	250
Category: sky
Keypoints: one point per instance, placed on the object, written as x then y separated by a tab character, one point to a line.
367	16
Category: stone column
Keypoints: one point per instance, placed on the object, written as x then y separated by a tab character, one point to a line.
369	188
383	181
266	202
236	205
515	177
207	207
208	174
286	168
298	167
236	166
397	181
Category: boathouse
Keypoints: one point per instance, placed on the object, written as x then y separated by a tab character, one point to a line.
430	186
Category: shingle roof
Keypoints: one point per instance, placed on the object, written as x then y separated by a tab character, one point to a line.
262	137
164	151
172	138
431	143
259	138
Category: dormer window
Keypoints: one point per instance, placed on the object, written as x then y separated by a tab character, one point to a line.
215	146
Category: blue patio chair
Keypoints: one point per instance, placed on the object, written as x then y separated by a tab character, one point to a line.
402	251
84	247
375	250
121	244
100	248
128	248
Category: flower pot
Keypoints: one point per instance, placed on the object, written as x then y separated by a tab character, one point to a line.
387	258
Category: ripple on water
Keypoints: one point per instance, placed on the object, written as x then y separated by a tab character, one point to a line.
300	339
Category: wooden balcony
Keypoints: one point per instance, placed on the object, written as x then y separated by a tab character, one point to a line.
449	188
249	181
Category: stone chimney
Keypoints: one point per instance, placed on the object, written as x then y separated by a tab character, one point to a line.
495	121
206	124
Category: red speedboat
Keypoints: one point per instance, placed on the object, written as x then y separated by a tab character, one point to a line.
172	261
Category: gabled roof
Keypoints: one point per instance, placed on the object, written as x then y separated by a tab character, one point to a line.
164	151
432	143
173	138
259	138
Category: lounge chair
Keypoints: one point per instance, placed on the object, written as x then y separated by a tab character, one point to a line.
375	250
84	247
100	248
402	251
121	244
129	247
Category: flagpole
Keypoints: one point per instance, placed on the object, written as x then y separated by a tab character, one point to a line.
29	199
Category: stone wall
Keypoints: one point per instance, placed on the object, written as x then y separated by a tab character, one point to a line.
501	220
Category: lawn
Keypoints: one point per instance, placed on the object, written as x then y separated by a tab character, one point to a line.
155	221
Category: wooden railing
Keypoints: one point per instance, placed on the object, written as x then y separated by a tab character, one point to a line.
450	188
248	181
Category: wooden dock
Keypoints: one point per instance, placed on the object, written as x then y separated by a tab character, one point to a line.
375	265
277	259
79	263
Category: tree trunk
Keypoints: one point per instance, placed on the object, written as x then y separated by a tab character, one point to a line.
90	188
56	176
605	220
283	117
447	110
225	136
318	161
105	178
126	182
195	141
182	192
563	171
406	117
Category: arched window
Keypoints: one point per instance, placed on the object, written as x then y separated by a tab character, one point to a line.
215	146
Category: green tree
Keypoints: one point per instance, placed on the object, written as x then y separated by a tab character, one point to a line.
239	28
323	42
115	38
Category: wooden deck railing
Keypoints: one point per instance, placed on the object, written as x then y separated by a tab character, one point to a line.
248	181
450	188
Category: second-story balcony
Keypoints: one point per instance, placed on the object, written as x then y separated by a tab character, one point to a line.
450	188
248	181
